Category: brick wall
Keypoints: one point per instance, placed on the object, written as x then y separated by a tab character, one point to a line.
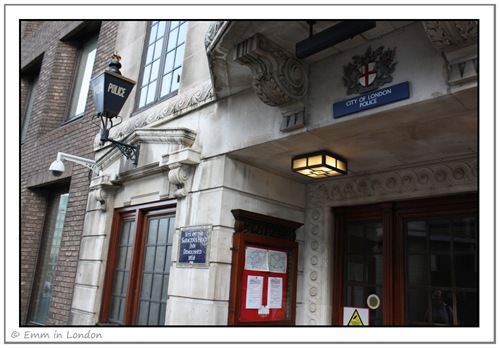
47	135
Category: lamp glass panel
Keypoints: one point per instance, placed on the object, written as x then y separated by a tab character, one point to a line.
331	161
305	171
315	160
299	163
342	165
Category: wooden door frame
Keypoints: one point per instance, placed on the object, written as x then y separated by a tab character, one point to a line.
140	214
393	216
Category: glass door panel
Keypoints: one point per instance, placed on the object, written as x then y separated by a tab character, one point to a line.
364	266
156	271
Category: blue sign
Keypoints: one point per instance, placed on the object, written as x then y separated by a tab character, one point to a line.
372	99
193	242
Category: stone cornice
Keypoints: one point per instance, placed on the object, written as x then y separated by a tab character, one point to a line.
459	175
178	138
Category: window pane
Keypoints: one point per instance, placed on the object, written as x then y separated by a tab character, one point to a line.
142	318
29	108
48	256
172	39
158	48
171	229
147	281
163	231
152	231
418	306
440	270
468	276
418	270
179	56
154	30
146	76
169	62
355	239
144	94
160	258
154	313
154	70
161	29
166	85
464	234
149	258
176	79
151	92
157	287
439	234
182	33
355	268
417	236
82	80
149	56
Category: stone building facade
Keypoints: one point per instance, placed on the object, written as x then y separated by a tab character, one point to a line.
221	110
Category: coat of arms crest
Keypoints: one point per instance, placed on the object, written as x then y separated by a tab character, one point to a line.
369	71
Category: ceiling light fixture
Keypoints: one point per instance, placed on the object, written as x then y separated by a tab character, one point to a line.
319	165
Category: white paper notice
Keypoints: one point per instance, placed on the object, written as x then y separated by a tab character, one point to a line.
274	292
256	259
255	287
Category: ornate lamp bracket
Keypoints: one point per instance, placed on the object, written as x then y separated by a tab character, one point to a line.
279	79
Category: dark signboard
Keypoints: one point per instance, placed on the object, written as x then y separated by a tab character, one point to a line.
110	92
193	243
372	99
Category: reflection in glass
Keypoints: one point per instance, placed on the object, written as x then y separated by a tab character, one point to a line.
364	266
156	271
442	272
48	256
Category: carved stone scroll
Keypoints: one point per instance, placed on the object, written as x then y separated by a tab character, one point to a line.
458	41
279	79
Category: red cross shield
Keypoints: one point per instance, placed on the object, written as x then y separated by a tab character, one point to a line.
367	74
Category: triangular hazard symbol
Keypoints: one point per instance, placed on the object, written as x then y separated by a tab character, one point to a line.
355	319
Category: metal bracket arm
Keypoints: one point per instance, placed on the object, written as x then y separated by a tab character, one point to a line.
91	164
129	151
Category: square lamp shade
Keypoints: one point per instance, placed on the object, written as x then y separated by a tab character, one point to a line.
110	91
319	165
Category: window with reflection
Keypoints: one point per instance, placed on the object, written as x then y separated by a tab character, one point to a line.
364	266
442	271
162	64
47	259
82	78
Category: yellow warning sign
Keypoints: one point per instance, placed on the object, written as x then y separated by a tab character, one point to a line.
355	319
